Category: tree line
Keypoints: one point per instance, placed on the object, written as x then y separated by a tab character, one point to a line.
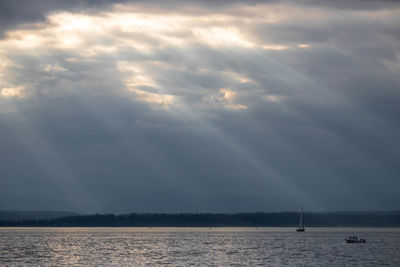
257	219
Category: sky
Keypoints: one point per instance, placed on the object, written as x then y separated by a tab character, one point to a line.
199	106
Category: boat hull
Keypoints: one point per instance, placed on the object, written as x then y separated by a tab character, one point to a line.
355	241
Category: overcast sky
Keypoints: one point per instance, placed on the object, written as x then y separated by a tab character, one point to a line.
199	106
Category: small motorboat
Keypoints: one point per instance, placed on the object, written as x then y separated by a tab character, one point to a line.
354	239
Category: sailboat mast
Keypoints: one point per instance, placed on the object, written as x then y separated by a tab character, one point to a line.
301	226
302	217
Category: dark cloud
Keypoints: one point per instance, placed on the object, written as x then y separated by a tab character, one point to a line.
353	4
14	13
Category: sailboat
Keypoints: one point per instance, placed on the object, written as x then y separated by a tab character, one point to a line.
301	225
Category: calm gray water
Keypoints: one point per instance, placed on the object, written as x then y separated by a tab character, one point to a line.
197	246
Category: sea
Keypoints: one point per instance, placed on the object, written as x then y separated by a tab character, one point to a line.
197	247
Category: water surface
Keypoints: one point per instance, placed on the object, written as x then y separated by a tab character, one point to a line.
197	246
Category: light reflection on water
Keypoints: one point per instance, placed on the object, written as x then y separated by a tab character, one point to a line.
197	246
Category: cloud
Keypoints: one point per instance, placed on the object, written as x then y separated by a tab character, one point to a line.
13	92
230	106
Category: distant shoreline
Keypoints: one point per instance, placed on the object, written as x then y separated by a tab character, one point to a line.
356	219
189	228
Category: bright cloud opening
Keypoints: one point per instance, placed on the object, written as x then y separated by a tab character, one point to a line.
12	92
161	100
217	36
